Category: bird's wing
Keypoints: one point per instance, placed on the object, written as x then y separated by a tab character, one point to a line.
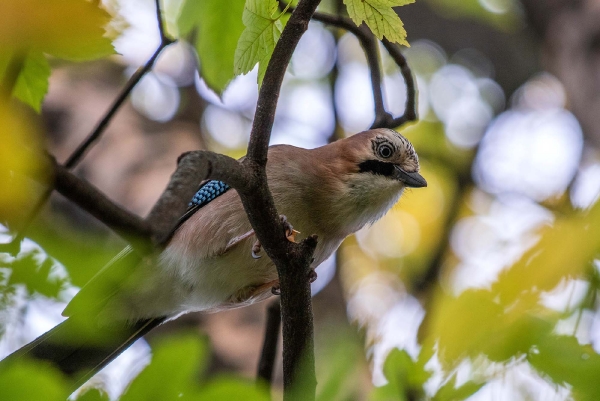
208	191
109	280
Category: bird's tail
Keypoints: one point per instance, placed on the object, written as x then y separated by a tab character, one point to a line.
79	351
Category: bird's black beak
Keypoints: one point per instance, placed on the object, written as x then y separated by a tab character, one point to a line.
413	180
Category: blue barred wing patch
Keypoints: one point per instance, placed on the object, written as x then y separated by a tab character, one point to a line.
207	192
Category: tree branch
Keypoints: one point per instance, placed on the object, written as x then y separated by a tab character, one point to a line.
268	355
292	260
128	225
82	149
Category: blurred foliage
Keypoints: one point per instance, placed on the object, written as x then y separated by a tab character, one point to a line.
20	160
502	14
173	374
507	319
27	380
405	378
338	365
67	29
35	273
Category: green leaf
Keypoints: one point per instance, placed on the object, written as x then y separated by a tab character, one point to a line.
449	391
32	82
257	42
219	25
36	276
173	372
405	378
564	360
29	380
380	17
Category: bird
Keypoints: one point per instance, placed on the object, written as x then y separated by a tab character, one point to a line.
212	260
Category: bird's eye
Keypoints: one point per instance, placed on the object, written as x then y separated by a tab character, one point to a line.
385	150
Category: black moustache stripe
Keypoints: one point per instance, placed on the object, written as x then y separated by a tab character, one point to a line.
377	167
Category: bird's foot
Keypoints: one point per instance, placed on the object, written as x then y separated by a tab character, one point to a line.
290	234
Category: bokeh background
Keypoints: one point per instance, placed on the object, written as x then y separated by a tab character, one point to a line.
485	278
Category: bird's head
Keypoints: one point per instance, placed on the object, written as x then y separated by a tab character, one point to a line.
362	177
345	184
383	153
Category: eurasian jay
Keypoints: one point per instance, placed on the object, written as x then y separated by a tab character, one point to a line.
212	260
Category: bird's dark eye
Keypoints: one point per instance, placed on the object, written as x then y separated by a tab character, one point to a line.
385	150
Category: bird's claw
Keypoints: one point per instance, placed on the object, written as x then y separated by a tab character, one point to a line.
290	233
256	248
276	290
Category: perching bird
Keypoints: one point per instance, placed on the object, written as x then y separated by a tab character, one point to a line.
212	262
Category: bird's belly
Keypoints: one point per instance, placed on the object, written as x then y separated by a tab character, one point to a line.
187	282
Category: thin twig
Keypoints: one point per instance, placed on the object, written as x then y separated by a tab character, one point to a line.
128	225
370	46
165	41
410	112
268	354
78	154
161	25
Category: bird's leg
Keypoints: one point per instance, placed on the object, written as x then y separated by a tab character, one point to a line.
290	234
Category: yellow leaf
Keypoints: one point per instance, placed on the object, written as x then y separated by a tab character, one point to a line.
69	29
